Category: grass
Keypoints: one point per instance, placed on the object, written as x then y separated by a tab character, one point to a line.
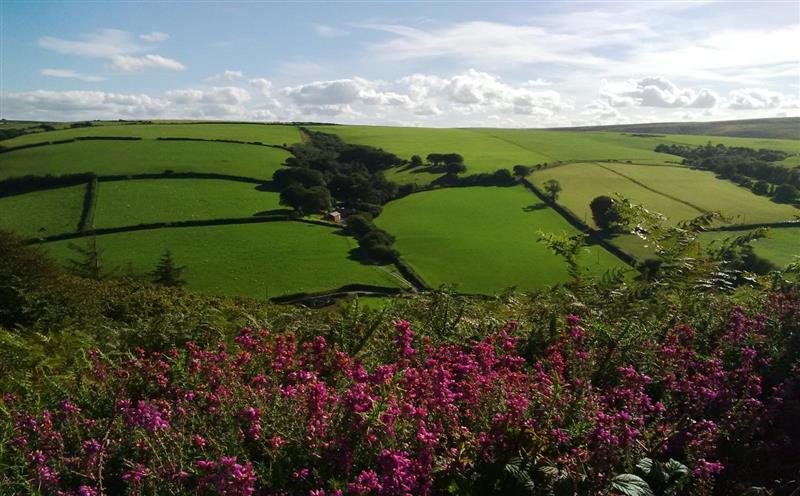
125	203
43	213
256	260
780	247
140	157
271	134
482	239
677	192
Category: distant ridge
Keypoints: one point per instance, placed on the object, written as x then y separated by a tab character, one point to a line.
778	128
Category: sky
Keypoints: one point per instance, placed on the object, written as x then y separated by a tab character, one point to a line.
437	64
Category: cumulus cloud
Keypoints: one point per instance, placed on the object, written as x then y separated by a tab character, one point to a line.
601	112
154	37
130	63
70	74
656	91
263	86
344	92
755	98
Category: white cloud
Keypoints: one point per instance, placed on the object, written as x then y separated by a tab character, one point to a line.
262	85
326	31
343	92
130	63
755	98
120	48
154	37
70	74
656	91
102	43
226	76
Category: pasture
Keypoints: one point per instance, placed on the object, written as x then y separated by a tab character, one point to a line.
482	239
131	202
143	157
679	193
43	213
256	260
269	134
781	246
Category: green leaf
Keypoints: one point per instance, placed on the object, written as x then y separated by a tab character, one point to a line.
676	469
631	485
645	466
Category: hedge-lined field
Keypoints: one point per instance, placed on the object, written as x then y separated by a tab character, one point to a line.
143	157
677	192
43	213
272	258
483	239
125	203
781	246
270	134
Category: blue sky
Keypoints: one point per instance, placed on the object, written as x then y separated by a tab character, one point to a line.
436	64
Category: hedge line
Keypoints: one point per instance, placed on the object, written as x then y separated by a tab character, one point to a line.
163	225
345	290
89	202
26	184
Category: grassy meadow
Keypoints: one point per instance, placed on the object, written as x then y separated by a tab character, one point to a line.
257	260
482	239
679	193
43	213
781	246
125	203
269	134
143	157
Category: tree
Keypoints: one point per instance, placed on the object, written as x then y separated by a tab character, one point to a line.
521	170
167	273
455	167
603	212
416	161
89	264
553	188
306	200
786	193
761	188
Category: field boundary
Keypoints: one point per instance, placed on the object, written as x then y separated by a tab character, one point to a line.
9	149
747	227
161	225
89	203
638	183
595	236
347	290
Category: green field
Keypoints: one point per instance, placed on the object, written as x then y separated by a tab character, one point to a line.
270	134
271	258
677	192
482	239
486	150
143	157
780	247
126	203
43	213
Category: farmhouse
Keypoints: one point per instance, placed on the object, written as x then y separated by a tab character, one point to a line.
334	216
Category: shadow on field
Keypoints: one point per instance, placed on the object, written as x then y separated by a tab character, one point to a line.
274	212
535	208
268	186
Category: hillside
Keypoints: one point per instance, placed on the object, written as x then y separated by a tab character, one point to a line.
776	128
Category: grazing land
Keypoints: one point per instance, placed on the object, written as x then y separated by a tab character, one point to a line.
781	246
679	193
779	128
125	203
143	157
482	239
43	213
268	134
256	260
